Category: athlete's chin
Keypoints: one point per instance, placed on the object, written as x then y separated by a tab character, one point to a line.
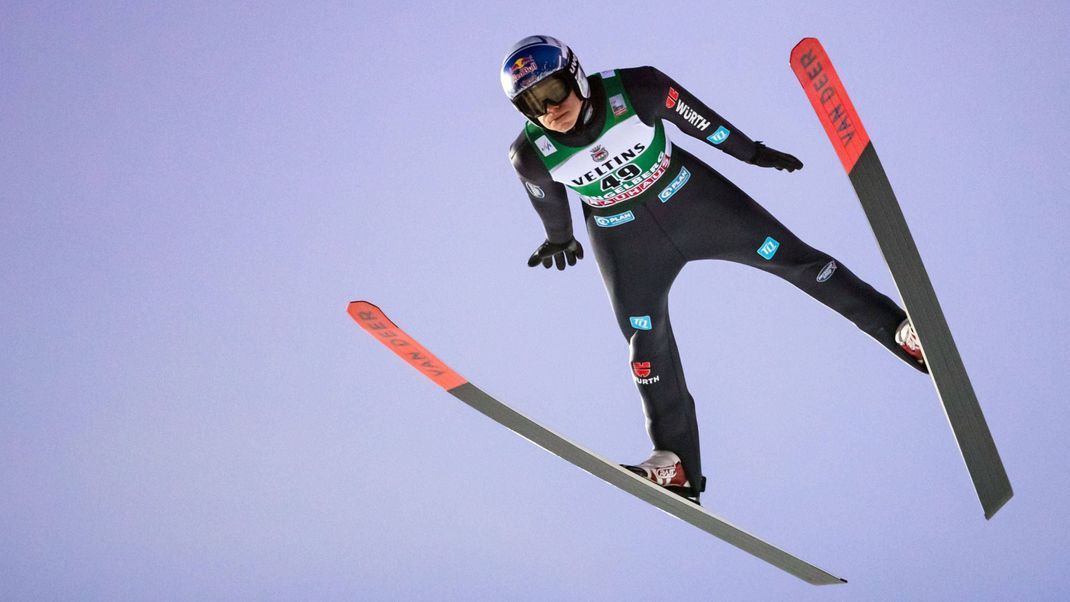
561	125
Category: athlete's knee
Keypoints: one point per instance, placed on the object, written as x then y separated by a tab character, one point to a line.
650	342
797	260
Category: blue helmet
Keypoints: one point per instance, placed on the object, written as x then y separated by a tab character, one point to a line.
540	70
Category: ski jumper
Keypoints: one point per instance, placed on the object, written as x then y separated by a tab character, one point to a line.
650	208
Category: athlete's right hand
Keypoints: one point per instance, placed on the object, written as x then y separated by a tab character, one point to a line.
550	253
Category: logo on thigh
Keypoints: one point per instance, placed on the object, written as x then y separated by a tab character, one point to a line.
768	248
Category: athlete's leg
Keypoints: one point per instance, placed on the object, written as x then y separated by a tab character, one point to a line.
823	278
638	265
721	222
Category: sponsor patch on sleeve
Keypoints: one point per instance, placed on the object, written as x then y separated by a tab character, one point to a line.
673	96
535	191
545	146
719	136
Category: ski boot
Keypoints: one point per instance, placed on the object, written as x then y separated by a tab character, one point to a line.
907	338
664	468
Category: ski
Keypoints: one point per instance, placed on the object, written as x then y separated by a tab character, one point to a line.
375	322
844	128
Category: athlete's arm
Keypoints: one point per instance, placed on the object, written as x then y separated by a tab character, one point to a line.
551	203
655	95
547	196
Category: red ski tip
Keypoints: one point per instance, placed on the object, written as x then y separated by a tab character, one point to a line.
823	87
374	321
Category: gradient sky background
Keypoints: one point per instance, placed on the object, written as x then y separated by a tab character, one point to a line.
191	195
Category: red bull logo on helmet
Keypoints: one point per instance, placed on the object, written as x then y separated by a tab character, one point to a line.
522	67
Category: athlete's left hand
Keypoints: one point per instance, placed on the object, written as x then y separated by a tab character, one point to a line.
770	157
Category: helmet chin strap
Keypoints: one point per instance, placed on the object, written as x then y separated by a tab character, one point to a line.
587	110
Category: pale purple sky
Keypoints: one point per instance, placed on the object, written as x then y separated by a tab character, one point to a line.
192	194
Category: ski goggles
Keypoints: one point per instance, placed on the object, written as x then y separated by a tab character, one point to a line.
534	101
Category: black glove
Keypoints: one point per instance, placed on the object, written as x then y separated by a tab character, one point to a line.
770	157
550	252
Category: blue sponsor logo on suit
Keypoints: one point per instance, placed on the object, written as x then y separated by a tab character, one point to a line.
641	322
769	247
676	184
719	136
608	221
